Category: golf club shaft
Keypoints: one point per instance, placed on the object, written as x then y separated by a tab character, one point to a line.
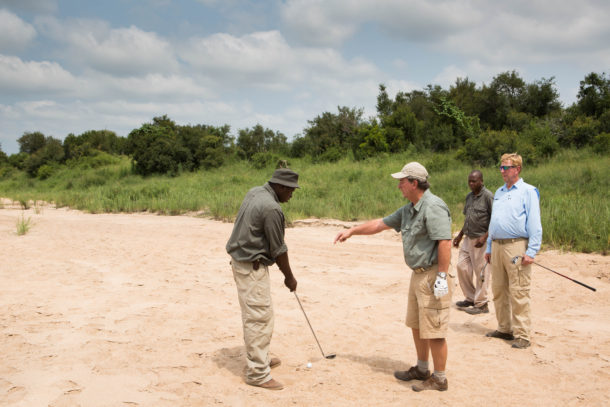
576	281
569	278
308	323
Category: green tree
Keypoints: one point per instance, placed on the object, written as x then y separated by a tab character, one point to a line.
260	140
29	143
333	130
593	97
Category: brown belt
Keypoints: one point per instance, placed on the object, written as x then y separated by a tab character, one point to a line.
422	269
513	240
256	264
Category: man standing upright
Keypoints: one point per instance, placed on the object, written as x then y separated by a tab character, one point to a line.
515	230
425	225
257	241
471	257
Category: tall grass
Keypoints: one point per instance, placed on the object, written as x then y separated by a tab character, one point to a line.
573	188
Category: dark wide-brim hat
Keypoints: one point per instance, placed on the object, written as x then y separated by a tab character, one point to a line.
286	177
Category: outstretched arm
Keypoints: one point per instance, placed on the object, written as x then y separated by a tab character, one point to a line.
367	228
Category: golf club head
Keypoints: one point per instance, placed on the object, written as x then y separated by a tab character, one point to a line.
331	356
514	260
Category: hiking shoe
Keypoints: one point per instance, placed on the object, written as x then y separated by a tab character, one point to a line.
275	362
521	343
269	385
412	374
464	304
431	384
500	335
484	309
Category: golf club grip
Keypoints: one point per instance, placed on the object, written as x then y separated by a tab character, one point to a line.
584	285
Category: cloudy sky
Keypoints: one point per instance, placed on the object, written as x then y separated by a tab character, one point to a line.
67	66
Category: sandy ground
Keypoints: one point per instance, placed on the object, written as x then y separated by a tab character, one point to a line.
141	310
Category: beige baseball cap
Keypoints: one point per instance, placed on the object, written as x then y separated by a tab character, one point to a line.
413	170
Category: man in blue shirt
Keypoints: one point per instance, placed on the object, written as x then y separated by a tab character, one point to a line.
514	230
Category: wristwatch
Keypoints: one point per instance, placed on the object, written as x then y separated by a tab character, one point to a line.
442	275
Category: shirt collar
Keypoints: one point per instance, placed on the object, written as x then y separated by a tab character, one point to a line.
272	192
516	185
419	203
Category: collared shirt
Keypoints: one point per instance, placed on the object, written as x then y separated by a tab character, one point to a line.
478	212
516	213
258	232
421	226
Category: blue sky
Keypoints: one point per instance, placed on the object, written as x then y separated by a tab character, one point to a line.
69	66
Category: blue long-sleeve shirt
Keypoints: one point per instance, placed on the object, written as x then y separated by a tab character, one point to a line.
516	213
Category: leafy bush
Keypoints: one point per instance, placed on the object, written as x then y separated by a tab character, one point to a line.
601	143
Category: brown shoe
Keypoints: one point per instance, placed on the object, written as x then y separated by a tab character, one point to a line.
521	343
412	374
275	362
464	304
431	384
270	385
483	309
500	335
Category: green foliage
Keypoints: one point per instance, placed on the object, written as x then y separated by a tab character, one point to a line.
264	159
23	225
29	143
593	97
260	140
601	143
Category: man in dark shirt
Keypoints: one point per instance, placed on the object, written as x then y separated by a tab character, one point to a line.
257	242
471	258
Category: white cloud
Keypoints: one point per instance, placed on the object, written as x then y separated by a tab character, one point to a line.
15	34
120	51
17	76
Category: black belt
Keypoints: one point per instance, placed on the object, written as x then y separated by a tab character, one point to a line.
256	264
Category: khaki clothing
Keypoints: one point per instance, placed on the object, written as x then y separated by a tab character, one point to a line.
511	288
424	311
258	233
471	261
254	293
421	226
477	211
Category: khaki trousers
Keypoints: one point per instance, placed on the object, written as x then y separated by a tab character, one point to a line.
511	288
254	293
471	261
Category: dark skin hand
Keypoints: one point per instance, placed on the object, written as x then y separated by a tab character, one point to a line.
284	265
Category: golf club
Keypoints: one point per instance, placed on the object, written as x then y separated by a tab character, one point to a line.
330	355
514	261
483	272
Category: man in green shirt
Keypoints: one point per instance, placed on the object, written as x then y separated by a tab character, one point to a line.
425	225
257	242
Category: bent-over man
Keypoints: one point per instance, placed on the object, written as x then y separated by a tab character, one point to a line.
257	242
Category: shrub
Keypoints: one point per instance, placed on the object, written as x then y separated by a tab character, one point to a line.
601	143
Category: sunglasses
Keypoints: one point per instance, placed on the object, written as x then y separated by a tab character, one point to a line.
506	167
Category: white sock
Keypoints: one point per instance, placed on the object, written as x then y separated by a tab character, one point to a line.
440	375
422	365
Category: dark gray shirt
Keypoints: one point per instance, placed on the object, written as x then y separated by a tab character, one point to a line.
422	225
478	213
258	232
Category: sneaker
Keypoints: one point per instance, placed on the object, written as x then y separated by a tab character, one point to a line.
464	304
275	362
431	384
521	343
412	374
484	309
500	335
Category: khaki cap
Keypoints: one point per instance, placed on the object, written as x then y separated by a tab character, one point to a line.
412	170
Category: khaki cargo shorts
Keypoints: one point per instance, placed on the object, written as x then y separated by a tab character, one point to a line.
424	311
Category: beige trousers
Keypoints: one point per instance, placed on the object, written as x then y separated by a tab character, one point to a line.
510	284
254	293
471	261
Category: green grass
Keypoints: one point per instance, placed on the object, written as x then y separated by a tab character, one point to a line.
573	187
23	225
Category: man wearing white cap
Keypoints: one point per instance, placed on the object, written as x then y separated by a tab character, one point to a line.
425	225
